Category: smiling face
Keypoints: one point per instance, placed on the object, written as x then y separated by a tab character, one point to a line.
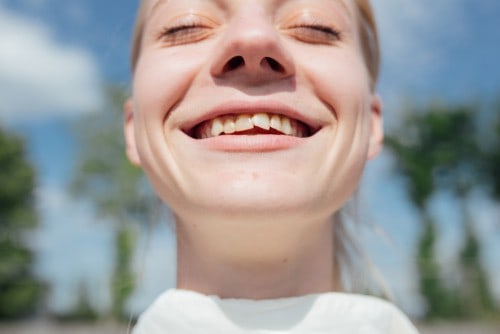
252	109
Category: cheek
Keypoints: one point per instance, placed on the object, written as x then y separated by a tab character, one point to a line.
337	77
342	83
162	79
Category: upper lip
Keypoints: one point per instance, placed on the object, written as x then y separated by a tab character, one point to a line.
251	107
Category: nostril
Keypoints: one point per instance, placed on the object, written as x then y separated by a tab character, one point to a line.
275	66
266	64
234	63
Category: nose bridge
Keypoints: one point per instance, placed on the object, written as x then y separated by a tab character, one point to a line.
251	24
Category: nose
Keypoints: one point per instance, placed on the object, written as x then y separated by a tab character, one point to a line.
251	49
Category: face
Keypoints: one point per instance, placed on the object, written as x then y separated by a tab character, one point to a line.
252	109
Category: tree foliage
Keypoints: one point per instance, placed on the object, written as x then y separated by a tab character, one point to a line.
20	290
118	190
123	278
492	157
437	149
82	311
477	296
441	302
103	174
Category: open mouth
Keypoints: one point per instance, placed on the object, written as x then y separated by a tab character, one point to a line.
251	124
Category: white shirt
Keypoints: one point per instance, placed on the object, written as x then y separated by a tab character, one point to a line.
187	312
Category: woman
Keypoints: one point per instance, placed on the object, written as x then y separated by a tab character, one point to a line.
253	120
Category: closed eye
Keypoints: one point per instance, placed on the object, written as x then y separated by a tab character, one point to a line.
315	34
184	33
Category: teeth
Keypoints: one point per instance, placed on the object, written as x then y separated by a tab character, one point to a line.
244	122
231	124
261	121
275	122
217	127
286	126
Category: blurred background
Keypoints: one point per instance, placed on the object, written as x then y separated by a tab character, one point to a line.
83	240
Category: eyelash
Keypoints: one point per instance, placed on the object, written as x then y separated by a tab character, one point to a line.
325	29
188	31
173	30
331	33
183	33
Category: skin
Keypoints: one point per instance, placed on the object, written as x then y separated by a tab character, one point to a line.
253	213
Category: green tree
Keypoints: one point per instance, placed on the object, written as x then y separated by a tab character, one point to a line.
20	290
118	190
123	278
413	148
82	311
492	157
438	150
460	172
477	295
482	301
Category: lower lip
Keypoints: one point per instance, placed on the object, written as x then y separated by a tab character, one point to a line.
251	143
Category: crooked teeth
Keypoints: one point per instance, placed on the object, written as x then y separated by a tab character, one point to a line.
261	121
229	126
244	122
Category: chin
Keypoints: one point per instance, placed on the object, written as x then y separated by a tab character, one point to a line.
258	202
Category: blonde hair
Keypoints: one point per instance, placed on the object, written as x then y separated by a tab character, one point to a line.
346	250
368	34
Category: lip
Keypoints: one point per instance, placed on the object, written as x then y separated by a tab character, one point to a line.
251	107
250	143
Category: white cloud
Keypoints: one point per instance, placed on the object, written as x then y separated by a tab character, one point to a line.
40	77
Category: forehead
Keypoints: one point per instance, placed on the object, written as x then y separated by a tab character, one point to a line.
152	5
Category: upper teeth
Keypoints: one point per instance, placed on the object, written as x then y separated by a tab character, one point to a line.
236	123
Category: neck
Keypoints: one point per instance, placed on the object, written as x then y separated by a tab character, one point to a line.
259	260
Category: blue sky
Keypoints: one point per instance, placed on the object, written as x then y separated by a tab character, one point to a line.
56	55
